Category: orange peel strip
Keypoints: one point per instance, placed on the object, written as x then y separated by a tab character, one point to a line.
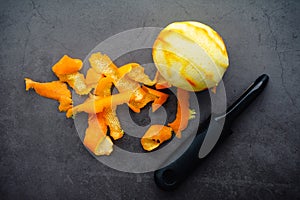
95	138
92	78
77	82
139	99
136	72
96	104
103	89
160	99
155	135
111	119
54	90
66	69
102	64
67	65
183	112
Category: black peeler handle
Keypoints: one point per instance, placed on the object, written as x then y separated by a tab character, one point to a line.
169	177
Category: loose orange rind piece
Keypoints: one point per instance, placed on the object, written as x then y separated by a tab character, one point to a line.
67	65
183	112
136	72
111	119
105	147
139	99
67	70
96	104
56	90
102	64
95	133
103	89
77	82
160	98
92	78
155	135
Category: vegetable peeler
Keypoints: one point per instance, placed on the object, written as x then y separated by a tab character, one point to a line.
205	141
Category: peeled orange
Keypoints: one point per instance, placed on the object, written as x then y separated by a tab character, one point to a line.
190	55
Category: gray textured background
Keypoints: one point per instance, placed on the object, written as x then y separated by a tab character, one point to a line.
43	158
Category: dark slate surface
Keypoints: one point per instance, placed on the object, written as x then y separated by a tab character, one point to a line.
43	158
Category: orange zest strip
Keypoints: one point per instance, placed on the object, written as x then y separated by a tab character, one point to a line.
96	105
125	69
66	69
139	99
92	78
155	135
111	119
95	137
183	113
54	90
67	65
136	72
102	64
77	82
101	122
143	96
103	89
95	134
160	99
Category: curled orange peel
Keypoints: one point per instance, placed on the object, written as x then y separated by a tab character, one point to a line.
160	98
67	65
67	70
95	104
92	78
95	138
155	136
136	72
56	90
109	113
183	112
